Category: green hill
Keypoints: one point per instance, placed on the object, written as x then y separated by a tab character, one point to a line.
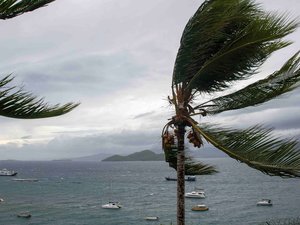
145	155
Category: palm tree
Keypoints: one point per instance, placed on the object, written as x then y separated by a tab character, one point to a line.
226	41
14	102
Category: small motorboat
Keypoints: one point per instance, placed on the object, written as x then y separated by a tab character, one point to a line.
24	215
188	178
5	172
264	202
112	205
1	200
152	218
200	208
195	194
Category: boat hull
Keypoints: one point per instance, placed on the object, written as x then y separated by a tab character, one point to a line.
264	204
186	179
151	218
196	208
24	215
112	206
194	196
9	175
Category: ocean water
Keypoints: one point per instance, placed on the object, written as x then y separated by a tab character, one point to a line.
71	193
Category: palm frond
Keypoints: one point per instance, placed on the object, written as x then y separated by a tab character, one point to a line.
13	8
280	82
16	103
256	147
192	167
224	42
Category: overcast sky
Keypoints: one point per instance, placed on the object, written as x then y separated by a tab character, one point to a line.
116	58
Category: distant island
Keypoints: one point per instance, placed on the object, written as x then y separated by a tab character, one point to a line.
145	155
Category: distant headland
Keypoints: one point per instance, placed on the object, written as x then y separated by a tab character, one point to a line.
145	155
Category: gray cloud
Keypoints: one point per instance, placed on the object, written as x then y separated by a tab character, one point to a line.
281	114
26	137
65	146
146	114
80	76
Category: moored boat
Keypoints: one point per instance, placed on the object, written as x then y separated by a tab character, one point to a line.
112	205
152	218
24	215
6	172
188	178
264	202
201	207
170	179
195	194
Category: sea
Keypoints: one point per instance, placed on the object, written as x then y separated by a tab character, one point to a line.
71	193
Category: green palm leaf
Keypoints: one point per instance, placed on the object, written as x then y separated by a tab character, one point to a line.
257	148
280	82
192	167
13	8
16	103
224	42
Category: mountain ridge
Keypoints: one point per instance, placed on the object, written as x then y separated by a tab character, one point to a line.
145	155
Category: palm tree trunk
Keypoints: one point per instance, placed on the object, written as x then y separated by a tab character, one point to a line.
180	175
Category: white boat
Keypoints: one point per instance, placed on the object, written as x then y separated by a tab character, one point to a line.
1	200
264	202
152	218
195	194
6	172
25	214
201	207
112	205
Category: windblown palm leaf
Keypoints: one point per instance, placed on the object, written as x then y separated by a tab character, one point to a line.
16	103
226	41
280	82
257	148
13	8
192	167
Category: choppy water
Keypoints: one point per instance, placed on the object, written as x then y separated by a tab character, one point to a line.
71	193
